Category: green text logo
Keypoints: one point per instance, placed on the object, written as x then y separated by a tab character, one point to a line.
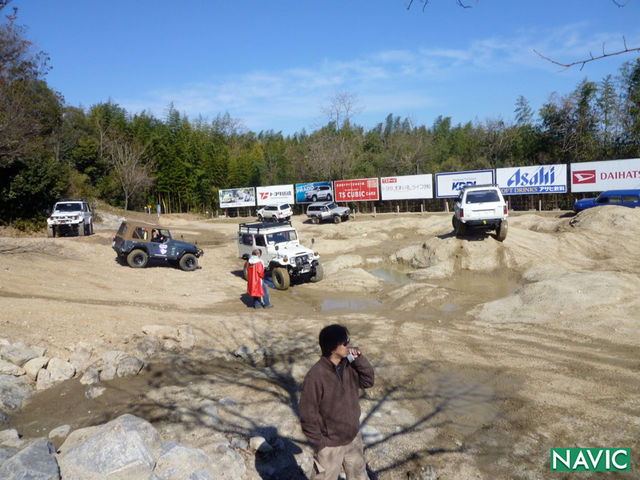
590	459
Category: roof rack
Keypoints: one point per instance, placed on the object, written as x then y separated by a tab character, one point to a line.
263	225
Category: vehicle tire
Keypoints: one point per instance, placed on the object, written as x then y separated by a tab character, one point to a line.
280	278
91	228
315	220
245	271
188	262
337	219
51	232
81	229
260	218
501	232
461	228
319	275
454	223
314	198
137	258
329	198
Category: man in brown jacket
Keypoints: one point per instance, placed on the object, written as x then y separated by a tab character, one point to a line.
329	407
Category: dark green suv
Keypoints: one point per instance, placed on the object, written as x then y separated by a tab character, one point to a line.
137	243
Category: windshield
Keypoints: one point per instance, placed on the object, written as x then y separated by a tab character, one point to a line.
332	206
68	207
281	237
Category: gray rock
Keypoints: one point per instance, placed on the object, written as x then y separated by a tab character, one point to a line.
259	444
6	453
91	376
177	462
240	443
129	366
35	462
60	432
13	391
227	402
80	355
10	438
125	448
148	346
60	370
33	366
425	473
229	464
209	413
93	391
370	434
8	368
18	353
43	380
186	337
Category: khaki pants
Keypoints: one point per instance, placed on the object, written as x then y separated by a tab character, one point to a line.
328	462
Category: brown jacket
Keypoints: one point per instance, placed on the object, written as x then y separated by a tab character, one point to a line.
329	406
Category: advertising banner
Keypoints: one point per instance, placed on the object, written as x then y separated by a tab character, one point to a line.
314	192
606	175
237	197
529	180
449	184
407	187
275	194
358	190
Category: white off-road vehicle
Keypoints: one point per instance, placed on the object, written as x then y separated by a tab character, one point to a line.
282	254
481	207
70	216
274	213
320	211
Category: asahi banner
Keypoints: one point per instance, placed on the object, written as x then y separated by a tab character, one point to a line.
275	194
450	184
530	180
407	187
607	175
237	197
357	190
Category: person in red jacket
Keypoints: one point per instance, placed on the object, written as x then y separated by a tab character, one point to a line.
329	407
255	281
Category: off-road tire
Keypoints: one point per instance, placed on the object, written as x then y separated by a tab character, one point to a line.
245	271
314	198
260	218
280	278
329	198
454	223
337	219
461	228
319	275
501	232
51	232
315	220
188	262
137	258
91	228
81	229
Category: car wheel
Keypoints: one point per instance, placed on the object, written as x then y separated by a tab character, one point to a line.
280	277
137	258
51	232
319	275
461	228
261	218
315	220
454	223
329	198
501	233
337	219
91	228
314	198
81	229
245	271
188	262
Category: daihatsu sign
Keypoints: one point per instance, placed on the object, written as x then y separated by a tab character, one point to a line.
607	175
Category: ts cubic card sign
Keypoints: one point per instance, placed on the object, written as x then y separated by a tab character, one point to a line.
357	190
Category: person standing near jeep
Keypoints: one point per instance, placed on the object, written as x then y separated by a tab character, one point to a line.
255	276
329	406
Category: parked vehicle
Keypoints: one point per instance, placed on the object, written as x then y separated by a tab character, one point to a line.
480	207
321	192
70	216
280	212
622	198
320	211
282	253
136	243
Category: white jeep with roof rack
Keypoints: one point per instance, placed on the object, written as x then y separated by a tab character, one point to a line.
282	253
71	215
480	207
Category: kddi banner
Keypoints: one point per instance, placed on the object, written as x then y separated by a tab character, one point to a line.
608	175
529	180
450	184
408	187
275	194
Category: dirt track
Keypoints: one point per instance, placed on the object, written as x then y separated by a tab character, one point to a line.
489	354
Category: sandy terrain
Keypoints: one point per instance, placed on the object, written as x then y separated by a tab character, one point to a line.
487	354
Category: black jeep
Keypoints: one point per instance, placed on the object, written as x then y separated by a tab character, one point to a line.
137	242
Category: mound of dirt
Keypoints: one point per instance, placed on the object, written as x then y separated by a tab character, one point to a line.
611	220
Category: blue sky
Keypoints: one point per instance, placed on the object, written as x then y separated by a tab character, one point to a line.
276	65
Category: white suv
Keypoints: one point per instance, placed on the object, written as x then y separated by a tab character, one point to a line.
321	192
481	207
70	216
282	253
279	212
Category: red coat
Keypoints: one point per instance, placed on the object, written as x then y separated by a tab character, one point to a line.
255	274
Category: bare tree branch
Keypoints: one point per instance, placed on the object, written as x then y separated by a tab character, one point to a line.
591	58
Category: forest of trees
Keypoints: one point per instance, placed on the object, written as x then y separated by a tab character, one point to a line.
50	150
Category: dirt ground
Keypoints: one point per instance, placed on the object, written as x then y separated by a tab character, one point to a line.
487	354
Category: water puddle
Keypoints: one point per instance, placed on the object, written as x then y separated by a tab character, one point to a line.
392	275
356	304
